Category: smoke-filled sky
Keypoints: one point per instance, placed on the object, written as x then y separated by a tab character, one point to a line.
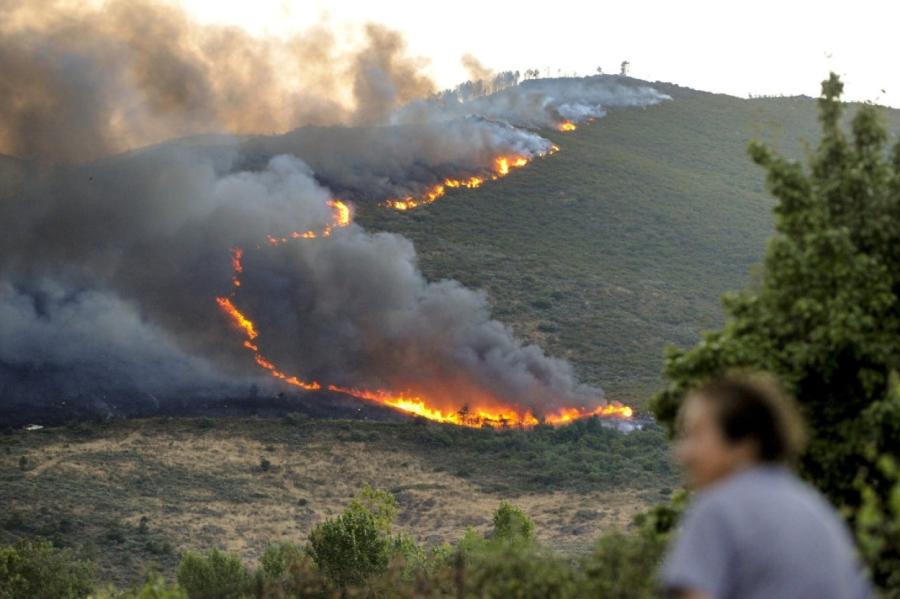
147	155
760	47
139	199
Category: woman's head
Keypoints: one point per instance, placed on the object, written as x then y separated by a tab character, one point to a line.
733	422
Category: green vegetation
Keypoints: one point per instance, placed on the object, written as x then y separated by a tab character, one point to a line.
622	266
213	576
355	555
825	317
33	568
356	545
158	487
622	243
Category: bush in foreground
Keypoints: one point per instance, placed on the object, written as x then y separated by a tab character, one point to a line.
33	568
216	575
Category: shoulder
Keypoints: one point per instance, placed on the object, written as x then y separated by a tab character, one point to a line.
701	554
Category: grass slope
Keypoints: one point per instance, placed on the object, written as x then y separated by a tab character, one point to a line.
132	495
623	242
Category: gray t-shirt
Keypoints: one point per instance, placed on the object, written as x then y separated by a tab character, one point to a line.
763	533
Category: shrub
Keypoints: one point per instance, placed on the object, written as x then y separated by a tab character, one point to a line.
278	557
516	570
825	316
626	564
350	548
33	568
512	525
155	588
216	575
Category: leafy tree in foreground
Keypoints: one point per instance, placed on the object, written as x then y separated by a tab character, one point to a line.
825	316
357	544
34	568
511	524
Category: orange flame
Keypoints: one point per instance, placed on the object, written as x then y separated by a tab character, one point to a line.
408	403
239	320
341	213
502	166
567	126
236	266
418	406
341	218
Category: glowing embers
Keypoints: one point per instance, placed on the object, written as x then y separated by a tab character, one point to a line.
236	266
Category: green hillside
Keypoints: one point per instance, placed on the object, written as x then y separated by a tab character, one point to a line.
623	242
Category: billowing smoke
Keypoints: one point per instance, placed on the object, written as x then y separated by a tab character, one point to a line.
109	269
80	82
444	135
377	163
537	103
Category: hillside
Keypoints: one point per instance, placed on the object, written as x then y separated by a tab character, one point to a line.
623	242
135	494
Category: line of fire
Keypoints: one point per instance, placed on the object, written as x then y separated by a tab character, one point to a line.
405	401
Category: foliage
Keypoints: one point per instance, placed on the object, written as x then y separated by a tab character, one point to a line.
878	518
518	570
511	525
356	545
510	562
33	568
582	457
278	557
216	575
156	587
625	564
825	315
622	242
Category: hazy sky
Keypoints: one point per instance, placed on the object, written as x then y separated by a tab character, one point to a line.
752	46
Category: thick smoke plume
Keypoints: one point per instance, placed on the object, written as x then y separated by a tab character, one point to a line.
109	268
80	82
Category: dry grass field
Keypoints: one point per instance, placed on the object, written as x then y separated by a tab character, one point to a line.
133	495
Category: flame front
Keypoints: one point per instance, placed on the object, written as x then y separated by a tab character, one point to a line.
567	126
239	319
340	218
418	406
501	167
407	402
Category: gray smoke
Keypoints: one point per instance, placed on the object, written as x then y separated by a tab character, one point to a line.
111	272
109	269
80	82
444	136
377	163
537	103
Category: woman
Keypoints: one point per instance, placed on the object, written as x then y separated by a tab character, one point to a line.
753	529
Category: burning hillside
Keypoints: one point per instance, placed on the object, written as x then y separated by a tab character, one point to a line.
493	412
112	268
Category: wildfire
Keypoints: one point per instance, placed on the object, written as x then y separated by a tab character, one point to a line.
418	406
341	218
567	126
501	168
408	402
239	319
236	266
